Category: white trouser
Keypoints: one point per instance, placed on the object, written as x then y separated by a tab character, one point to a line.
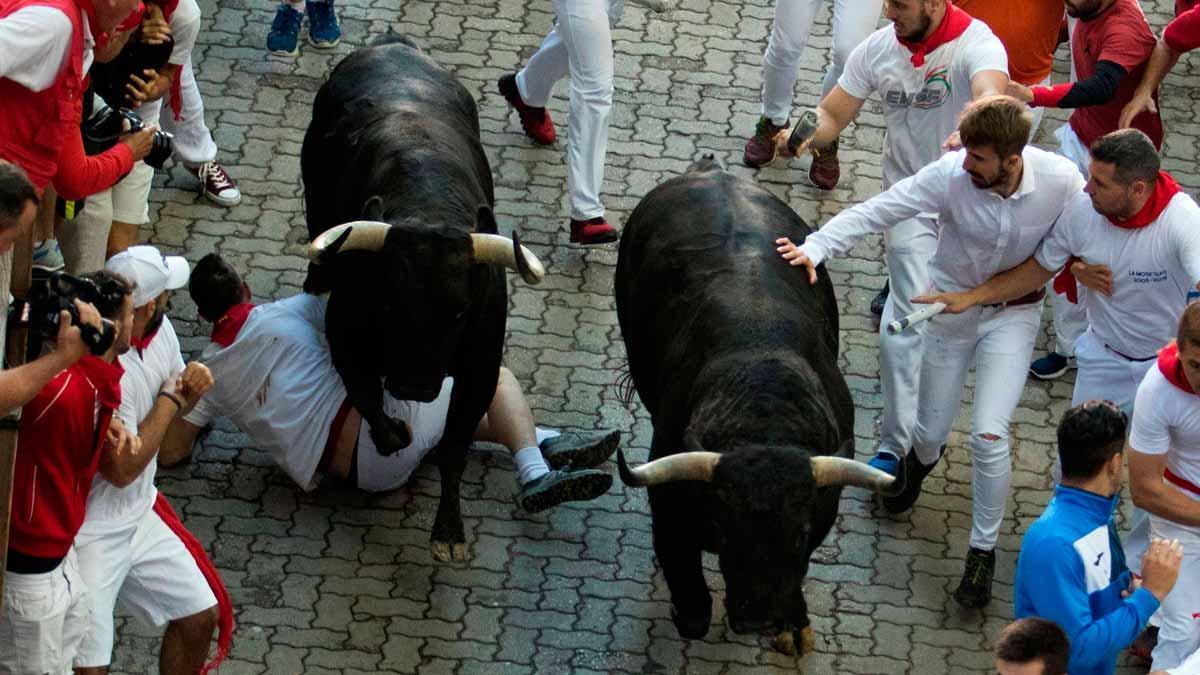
580	43
1000	341
853	21
1179	631
909	247
427	421
193	143
1039	112
1070	319
44	619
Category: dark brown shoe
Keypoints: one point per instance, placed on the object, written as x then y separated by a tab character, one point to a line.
825	170
761	149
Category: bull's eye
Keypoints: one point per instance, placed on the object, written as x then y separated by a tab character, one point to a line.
460	316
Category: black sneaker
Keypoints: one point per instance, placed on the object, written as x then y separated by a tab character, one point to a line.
880	299
579	449
915	473
975	590
563	485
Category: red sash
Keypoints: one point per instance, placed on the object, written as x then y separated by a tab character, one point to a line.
953	24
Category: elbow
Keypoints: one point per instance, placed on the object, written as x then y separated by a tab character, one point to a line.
119	476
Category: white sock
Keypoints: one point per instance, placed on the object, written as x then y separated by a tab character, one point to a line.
530	465
544	435
297	5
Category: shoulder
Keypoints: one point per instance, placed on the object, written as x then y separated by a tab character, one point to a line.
1050	164
186	12
1182	211
1126	15
878	45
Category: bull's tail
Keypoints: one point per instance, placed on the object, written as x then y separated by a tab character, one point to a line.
625	386
390	38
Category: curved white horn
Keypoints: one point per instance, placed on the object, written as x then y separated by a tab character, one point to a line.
360	235
697	465
498	250
829	471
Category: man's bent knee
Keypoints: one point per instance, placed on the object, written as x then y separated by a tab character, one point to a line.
198	626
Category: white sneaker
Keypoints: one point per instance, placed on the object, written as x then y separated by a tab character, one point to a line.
48	256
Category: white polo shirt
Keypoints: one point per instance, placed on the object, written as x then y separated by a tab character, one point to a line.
185	26
110	507
1166	418
920	105
1153	268
981	233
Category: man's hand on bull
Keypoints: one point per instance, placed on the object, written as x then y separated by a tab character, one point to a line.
956	302
796	257
1096	277
191	385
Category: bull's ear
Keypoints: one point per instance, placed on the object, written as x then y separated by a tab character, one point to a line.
373	209
485	221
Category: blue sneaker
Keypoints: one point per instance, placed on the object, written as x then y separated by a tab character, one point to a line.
886	462
323	29
1051	366
284	36
48	256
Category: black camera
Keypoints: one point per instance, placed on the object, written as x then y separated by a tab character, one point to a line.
48	296
106	126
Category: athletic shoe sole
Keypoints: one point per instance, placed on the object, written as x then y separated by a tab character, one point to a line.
219	201
324	45
1052	376
587	456
577	488
277	52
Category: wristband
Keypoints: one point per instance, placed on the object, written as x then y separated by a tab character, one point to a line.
173	397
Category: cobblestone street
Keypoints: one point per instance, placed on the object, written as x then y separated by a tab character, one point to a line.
338	581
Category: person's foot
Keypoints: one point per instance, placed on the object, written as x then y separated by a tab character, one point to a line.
761	149
593	231
825	170
880	299
217	185
563	485
535	121
915	473
975	589
1051	366
323	29
48	256
1144	644
284	37
579	449
886	462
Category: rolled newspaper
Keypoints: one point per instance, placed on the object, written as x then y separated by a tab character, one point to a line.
924	314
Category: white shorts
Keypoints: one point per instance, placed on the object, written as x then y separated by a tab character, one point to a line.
1179	627
131	196
1072	148
44	619
148	570
378	473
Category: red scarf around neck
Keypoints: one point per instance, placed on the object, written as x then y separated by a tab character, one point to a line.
1165	189
1172	369
226	328
953	24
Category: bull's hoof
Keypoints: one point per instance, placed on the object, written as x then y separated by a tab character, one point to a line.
444	551
691	627
785	642
808	641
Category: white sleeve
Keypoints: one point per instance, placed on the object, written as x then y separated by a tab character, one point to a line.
185	26
203	412
34	42
126	411
988	54
924	192
1057	247
1187	244
857	77
1150	431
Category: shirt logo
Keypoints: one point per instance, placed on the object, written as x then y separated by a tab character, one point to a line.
1097	563
933	94
1155	277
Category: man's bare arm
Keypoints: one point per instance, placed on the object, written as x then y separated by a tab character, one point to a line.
987	83
177	445
1153	495
121	469
1009	285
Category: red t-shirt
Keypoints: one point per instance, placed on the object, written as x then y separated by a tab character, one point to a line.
1182	6
1121	35
1183	33
58	453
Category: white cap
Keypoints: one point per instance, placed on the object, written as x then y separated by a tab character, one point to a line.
151	271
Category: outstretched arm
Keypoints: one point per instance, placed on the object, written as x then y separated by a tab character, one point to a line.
1020	280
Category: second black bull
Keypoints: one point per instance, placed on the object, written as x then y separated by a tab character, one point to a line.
734	354
398	195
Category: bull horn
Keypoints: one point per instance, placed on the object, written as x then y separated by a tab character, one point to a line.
684	466
360	235
836	471
497	250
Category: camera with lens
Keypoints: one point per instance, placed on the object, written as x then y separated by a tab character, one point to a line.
106	126
48	296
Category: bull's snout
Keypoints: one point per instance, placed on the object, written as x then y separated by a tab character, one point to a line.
746	617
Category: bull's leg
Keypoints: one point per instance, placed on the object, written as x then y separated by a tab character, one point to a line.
678	552
447	541
797	640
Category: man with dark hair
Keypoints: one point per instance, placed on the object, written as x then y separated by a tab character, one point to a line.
308	425
994	200
1032	646
18	204
68	433
1066	572
1164	477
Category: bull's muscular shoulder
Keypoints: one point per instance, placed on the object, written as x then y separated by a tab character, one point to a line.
397	73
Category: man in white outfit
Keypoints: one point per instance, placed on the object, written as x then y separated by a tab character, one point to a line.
994	201
853	21
580	43
926	68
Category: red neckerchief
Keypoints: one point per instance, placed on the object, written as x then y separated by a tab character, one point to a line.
953	24
1165	189
226	328
141	343
1172	369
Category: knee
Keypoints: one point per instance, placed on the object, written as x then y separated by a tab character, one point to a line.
198	627
989	446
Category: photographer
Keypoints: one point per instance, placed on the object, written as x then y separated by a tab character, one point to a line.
67	433
18	207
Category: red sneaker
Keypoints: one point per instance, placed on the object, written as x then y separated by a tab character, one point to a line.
762	148
593	231
825	170
535	121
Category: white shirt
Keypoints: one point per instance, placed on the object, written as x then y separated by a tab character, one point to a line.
1153	268
920	105
185	26
1166	418
110	507
34	46
981	233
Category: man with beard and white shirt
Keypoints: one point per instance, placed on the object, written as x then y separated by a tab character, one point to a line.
131	547
994	201
926	67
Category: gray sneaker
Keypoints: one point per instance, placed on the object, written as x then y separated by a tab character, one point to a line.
579	449
48	256
568	485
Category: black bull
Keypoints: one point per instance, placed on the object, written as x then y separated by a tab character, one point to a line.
398	194
734	355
